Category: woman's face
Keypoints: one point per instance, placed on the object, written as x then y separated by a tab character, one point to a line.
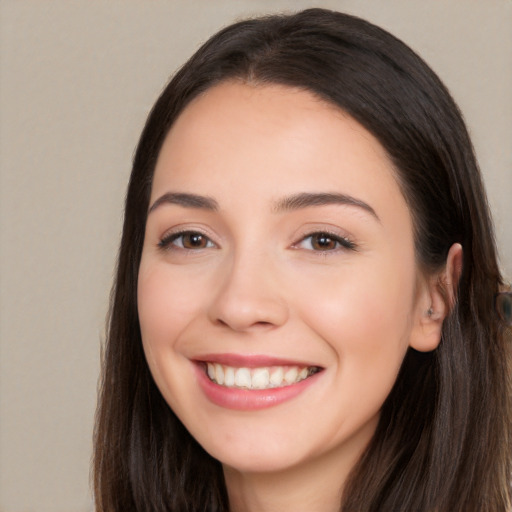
278	291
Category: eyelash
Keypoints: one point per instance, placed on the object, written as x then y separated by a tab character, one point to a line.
167	242
341	243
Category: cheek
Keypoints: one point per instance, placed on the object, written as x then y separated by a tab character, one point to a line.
361	326
165	303
364	314
155	305
165	307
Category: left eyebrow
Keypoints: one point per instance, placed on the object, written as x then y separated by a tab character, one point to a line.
307	199
186	201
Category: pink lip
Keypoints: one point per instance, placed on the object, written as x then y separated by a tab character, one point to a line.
249	400
249	361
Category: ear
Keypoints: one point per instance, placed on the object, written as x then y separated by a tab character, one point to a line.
435	299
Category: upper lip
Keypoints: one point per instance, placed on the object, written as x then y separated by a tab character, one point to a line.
250	360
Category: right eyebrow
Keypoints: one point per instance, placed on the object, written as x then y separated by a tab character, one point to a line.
185	200
308	199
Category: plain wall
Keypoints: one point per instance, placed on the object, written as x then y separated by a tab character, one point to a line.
77	79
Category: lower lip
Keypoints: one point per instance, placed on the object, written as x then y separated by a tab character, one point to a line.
250	400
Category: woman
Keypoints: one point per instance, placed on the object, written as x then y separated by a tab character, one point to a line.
303	316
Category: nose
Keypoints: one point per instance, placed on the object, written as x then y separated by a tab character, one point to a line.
250	296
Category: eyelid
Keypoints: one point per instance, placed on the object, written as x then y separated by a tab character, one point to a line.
166	241
345	242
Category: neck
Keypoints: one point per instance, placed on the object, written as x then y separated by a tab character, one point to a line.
315	486
279	493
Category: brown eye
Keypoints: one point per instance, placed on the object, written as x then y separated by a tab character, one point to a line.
194	241
188	240
323	242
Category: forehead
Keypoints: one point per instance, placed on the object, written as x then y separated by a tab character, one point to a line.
271	138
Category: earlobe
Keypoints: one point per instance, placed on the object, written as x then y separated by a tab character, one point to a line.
436	299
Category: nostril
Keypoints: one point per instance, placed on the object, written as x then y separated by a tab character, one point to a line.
253	326
263	325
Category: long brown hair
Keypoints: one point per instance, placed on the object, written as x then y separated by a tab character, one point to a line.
444	440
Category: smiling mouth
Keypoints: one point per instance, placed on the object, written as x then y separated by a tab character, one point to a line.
268	377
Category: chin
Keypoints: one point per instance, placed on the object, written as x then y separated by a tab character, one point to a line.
258	462
264	455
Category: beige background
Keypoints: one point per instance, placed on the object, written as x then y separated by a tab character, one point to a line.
77	79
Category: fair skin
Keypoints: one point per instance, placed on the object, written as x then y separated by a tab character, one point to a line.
279	241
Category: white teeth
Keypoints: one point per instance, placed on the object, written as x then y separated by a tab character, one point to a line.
258	378
242	378
291	375
276	377
229	376
219	374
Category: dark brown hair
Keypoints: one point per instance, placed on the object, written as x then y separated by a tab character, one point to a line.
444	440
